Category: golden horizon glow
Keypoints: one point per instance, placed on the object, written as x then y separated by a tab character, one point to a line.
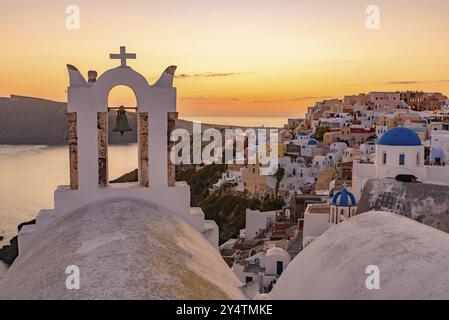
241	58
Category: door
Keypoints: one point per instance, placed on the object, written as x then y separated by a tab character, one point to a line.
279	267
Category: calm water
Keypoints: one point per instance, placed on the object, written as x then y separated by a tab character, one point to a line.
275	122
30	174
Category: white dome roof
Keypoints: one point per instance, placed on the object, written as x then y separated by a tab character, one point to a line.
125	249
277	251
412	259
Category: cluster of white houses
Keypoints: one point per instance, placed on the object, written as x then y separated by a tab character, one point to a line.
339	139
264	248
327	159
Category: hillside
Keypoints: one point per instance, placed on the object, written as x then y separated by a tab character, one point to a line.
226	207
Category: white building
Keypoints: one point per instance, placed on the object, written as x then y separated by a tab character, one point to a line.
302	135
343	207
296	174
320	162
380	130
337	149
367	150
385	100
398	153
316	222
88	150
319	217
308	147
292	123
276	261
439	151
445	108
335	122
348	155
367	121
257	222
262	268
228	177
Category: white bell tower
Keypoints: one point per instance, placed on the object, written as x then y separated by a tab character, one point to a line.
88	148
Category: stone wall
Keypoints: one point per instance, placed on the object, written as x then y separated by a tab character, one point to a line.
324	178
143	149
72	141
102	149
172	117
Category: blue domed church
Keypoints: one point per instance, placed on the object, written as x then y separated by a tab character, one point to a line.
399	153
343	206
400	137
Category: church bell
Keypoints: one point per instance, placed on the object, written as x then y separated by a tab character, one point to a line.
122	124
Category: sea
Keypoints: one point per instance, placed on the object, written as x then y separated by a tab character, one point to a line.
29	176
271	122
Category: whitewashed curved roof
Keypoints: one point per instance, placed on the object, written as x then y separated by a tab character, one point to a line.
275	251
124	249
413	260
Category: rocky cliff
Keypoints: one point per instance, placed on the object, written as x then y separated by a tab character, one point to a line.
426	203
26	120
10	252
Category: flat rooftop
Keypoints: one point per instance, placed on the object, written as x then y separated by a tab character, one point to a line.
318	208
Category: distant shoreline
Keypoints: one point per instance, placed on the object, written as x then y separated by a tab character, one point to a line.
37	121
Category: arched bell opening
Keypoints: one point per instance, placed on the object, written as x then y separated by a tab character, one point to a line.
122	142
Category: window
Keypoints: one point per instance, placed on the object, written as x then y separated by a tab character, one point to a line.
384	160
249	279
402	159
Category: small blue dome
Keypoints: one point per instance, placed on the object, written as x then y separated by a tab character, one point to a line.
312	143
344	198
303	134
400	136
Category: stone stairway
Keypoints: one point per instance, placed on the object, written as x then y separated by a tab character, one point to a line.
295	246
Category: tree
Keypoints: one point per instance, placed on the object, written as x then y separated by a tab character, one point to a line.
280	174
320	131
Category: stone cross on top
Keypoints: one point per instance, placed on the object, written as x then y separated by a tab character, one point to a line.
123	56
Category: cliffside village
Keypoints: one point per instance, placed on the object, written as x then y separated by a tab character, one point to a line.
325	160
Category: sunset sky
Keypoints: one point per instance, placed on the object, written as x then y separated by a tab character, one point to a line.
236	57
